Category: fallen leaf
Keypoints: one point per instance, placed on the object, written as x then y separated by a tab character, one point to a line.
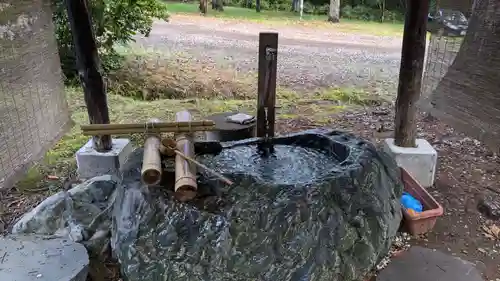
491	231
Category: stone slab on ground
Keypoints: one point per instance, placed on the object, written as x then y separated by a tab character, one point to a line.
93	164
422	264
420	161
38	258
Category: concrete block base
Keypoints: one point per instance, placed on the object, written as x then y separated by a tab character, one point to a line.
92	163
420	161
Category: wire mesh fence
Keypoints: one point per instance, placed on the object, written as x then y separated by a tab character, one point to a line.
33	109
462	75
441	52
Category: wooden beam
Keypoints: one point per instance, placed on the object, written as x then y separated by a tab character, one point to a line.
410	73
266	99
88	66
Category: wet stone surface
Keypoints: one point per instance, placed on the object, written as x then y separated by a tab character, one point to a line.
429	264
33	257
323	207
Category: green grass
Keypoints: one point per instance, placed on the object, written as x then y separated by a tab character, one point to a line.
291	18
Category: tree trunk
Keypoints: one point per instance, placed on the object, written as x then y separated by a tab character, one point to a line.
382	10
203	6
301	8
410	73
334	13
257	6
467	97
295	5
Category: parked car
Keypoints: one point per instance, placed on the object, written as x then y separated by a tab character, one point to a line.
447	22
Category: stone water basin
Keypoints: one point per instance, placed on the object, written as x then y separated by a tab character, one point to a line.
324	207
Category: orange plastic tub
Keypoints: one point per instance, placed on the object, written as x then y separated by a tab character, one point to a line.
423	222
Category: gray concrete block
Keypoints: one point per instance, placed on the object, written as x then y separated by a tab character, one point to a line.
420	161
36	258
92	163
422	264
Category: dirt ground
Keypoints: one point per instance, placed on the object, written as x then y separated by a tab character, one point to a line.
467	171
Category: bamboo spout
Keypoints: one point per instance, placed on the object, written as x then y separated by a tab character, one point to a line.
185	171
151	162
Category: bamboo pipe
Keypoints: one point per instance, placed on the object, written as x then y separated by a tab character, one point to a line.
151	162
185	171
148	130
147	125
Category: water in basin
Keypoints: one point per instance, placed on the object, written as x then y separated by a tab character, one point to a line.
289	164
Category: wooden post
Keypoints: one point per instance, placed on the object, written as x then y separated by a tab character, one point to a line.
88	65
410	73
266	99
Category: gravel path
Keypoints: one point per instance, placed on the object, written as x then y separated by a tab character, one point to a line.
308	58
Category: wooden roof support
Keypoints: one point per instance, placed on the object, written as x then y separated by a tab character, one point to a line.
87	60
410	74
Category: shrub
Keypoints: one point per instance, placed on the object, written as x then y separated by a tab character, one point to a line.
114	21
365	13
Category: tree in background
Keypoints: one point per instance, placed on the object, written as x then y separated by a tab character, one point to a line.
334	11
203	7
218	5
366	10
114	21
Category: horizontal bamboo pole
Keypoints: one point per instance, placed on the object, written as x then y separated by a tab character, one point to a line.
148	130
147	125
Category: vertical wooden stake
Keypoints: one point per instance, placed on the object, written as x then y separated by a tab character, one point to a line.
266	100
88	65
410	74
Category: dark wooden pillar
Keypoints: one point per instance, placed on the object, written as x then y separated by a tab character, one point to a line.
266	98
88	66
410	74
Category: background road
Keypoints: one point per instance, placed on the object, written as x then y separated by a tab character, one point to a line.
308	58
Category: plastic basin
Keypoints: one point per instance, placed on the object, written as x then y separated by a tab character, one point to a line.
422	222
